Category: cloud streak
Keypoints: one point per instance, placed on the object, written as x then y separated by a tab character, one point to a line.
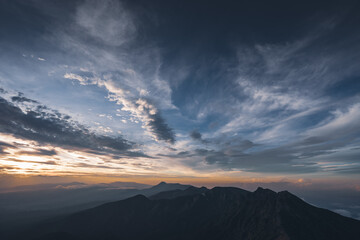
51	127
331	141
139	107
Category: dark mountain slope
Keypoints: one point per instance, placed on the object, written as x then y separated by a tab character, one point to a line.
304	221
21	210
219	213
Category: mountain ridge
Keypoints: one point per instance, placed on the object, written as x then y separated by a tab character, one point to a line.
217	213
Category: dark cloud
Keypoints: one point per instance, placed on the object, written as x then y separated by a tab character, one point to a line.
20	98
28	161
195	135
301	156
171	149
274	160
51	127
298	157
5	168
348	170
150	115
3	146
182	154
153	119
50	163
160	128
233	152
39	152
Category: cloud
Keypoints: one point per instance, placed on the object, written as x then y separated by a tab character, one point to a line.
151	116
4	146
28	161
82	80
343	124
275	100
102	48
140	107
47	126
106	21
269	161
195	135
283	79
39	152
116	61
328	147
351	169
20	99
6	168
161	129
86	165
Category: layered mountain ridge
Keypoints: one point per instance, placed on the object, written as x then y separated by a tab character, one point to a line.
201	213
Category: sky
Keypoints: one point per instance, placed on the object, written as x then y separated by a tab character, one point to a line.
200	92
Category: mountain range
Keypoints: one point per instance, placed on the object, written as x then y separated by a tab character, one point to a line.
187	212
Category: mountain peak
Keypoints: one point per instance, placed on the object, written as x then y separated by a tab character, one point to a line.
139	197
171	194
170	186
264	190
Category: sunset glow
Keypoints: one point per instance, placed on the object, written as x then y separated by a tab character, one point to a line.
99	91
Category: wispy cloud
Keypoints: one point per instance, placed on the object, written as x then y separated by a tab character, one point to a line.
139	107
106	21
131	79
51	127
343	123
328	147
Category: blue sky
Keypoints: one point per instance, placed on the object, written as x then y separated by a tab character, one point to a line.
181	89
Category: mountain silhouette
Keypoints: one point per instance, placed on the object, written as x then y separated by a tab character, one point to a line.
21	207
199	213
178	193
163	186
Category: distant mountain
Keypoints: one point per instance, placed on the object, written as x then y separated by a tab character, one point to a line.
216	214
23	206
125	185
178	193
43	186
73	185
163	186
